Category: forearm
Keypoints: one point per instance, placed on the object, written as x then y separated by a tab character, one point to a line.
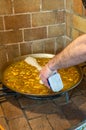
73	54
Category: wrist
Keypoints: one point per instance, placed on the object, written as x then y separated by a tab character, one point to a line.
51	69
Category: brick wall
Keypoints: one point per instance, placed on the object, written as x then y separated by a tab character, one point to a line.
31	26
75	19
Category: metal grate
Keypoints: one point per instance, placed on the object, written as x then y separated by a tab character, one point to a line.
84	3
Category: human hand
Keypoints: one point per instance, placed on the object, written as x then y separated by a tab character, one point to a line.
45	73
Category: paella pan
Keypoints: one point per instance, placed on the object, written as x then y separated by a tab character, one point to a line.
24	78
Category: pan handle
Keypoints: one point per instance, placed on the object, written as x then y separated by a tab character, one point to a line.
8	94
2	87
4	91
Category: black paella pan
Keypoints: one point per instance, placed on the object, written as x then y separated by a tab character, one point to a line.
33	94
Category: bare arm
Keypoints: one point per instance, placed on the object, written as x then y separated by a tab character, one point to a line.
73	54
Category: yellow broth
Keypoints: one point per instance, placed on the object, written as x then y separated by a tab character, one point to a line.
24	78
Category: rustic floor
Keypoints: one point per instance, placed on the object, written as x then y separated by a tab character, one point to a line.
21	113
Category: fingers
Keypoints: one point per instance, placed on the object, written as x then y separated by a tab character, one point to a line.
45	73
44	80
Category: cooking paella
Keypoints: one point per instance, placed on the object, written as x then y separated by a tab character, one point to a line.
24	78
